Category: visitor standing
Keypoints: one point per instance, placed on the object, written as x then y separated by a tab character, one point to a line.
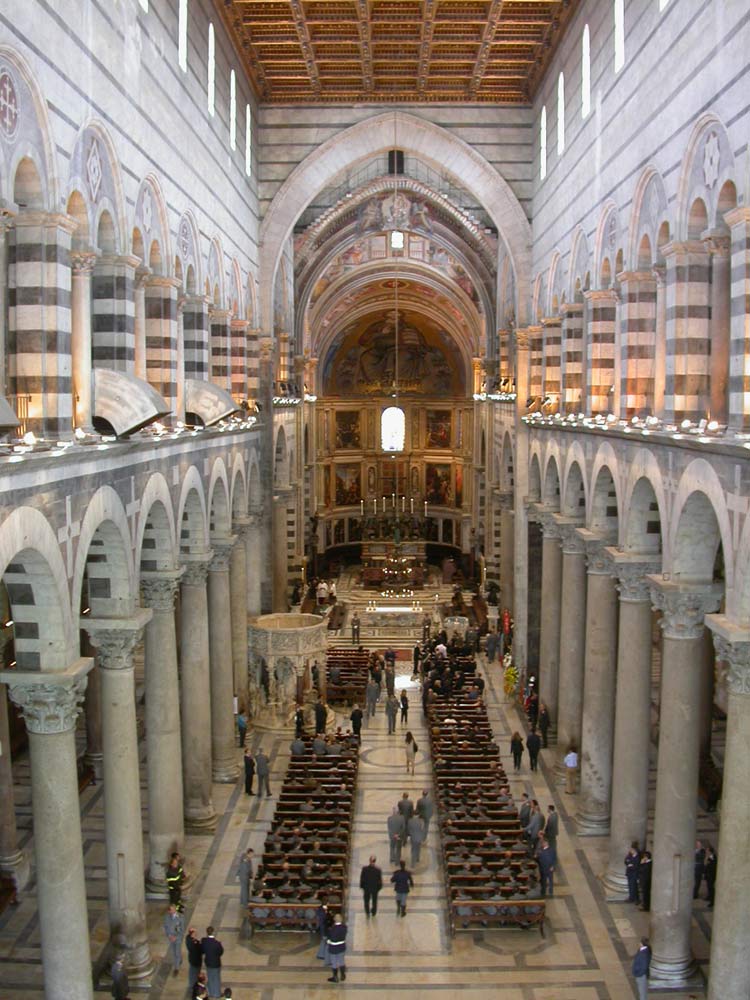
173	928
336	944
212	951
571	769
263	769
371	882
640	969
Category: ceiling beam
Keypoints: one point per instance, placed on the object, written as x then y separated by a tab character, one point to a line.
425	44
488	37
305	44
365	44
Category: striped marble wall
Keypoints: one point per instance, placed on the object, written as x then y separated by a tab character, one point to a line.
536	355
637	342
571	375
161	337
113	313
687	391
238	367
739	349
195	332
601	315
551	355
218	320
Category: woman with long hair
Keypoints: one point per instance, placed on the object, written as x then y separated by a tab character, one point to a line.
516	748
411	751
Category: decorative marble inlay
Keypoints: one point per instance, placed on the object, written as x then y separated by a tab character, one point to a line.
49	708
711	158
9	110
147	210
94	170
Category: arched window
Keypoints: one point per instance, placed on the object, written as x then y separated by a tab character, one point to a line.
619	35
585	72
543	145
233	110
392	429
182	22
211	84
560	114
248	140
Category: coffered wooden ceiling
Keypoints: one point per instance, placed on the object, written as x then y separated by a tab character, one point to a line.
344	51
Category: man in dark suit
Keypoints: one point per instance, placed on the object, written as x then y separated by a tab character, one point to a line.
195	957
533	745
212	951
371	882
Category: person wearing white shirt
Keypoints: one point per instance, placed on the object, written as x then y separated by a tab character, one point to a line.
571	770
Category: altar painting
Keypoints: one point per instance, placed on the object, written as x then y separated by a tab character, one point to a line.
438	484
438	429
348	484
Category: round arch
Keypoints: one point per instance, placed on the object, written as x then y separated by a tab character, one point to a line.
220	518
369	137
192	519
100	177
699	478
105	534
238	493
162	542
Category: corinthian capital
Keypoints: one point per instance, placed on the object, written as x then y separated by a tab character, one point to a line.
116	638
50	702
160	589
683	608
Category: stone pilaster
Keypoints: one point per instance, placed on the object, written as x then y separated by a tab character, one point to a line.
253	563
82	267
166	831
632	717
507	575
687	391
115	639
239	596
50	704
223	754
549	642
730	970
600	349
572	358
139	321
600	660
572	641
638	342
739	346
683	609
195	695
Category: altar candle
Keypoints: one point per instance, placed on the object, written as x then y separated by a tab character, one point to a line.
374	506
393	497
384	505
411	504
425	508
403	505
361	506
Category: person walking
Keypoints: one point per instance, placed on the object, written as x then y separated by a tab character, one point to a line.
391	711
546	861
543	722
632	864
396	830
516	748
355	629
371	882
644	881
415	832
571	769
212	951
195	957
406	807
404	707
120	985
356	720
336	944
242	727
551	829
425	809
390	680
415	658
533	745
245	875
411	752
249	762
263	770
402	882
372	694
173	928
640	968
321	715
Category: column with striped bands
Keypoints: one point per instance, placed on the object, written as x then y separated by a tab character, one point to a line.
571	374
195	333
687	392
551	349
739	346
252	348
637	342
161	336
536	355
239	359
113	308
218	320
504	367
600	349
39	321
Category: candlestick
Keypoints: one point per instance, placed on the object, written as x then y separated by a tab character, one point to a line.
361	506
374	506
425	508
403	505
393	498
384	505
411	505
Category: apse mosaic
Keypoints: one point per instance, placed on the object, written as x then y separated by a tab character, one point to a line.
364	362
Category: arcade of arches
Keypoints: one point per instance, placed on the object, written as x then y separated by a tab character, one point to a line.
317	325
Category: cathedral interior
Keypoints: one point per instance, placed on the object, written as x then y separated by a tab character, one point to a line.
446	302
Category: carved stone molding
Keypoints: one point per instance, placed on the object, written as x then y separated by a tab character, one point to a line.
48	707
683	609
82	261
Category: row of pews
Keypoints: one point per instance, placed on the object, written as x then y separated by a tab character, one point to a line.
306	853
490	879
346	675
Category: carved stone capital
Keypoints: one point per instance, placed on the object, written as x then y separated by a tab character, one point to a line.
47	707
632	576
82	261
572	543
141	276
160	589
196	570
550	527
598	560
736	659
222	549
683	608
115	638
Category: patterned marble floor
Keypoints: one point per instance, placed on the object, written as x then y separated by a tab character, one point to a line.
585	955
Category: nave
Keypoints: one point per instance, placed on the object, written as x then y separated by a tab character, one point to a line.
584	956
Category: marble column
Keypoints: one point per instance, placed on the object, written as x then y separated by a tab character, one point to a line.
253	564
166	831
6	223
115	639
195	696
92	708
139	324
507	576
730	970
632	718
600	670
549	642
708	673
239	598
572	642
683	609
719	247
223	753
82	267
280	553
13	859
50	704
521	491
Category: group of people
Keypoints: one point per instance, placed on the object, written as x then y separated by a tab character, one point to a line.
409	823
